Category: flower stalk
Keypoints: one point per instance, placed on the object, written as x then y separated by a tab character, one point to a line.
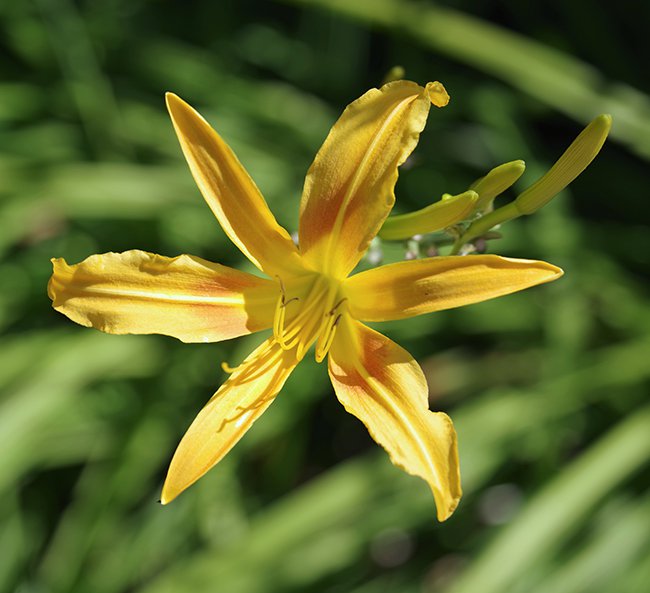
470	215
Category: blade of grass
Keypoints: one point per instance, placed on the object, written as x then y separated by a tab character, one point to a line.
601	563
35	404
88	88
560	508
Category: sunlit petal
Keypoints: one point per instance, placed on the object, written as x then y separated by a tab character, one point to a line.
409	288
142	293
231	193
349	189
228	415
382	385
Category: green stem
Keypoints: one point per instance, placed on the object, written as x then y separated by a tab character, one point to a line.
485	223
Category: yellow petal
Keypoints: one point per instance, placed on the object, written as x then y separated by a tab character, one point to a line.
142	293
228	415
435	217
349	188
382	385
420	286
231	194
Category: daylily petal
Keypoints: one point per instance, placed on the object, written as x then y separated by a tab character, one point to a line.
349	188
231	194
228	415
381	384
186	297
409	288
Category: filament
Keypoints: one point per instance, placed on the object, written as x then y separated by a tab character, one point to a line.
316	318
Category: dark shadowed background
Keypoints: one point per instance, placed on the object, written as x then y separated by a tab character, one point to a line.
548	388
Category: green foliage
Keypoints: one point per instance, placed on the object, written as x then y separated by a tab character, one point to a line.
547	388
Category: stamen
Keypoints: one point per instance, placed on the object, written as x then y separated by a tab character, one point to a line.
306	336
324	327
251	368
289	337
227	368
280	314
327	331
296	325
282	291
338	304
278	322
321	351
309	323
271	392
314	327
256	367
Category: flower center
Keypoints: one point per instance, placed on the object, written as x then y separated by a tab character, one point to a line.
308	314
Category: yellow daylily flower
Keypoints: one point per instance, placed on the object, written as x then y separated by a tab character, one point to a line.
307	297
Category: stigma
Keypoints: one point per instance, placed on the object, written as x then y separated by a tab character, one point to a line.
308	312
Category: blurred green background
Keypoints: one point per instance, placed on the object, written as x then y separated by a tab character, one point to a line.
547	387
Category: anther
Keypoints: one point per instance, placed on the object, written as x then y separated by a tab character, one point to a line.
283	293
338	304
227	368
281	285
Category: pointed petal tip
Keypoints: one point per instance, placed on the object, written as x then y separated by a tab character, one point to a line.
177	107
443	513
173	101
448	497
167	494
555	272
547	271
